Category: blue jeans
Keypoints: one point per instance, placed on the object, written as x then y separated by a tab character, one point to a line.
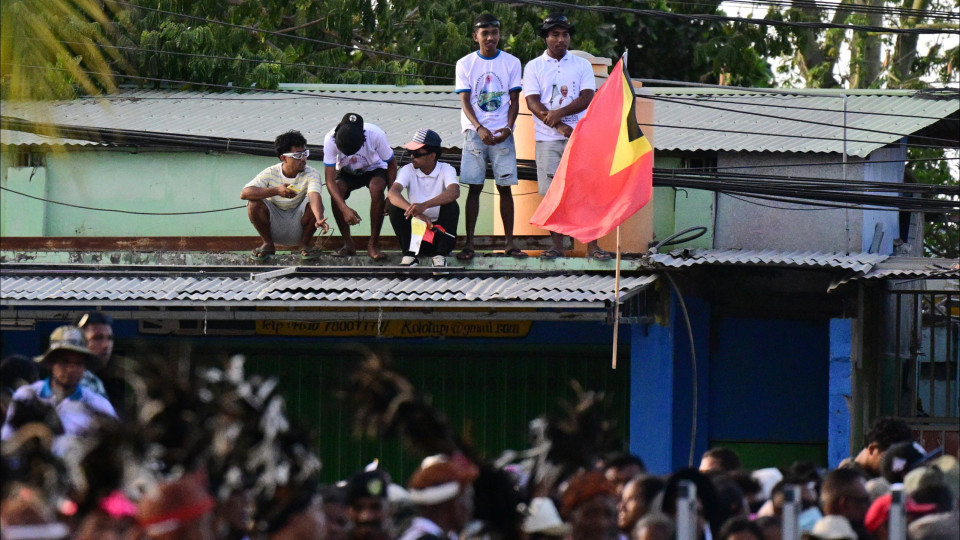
473	161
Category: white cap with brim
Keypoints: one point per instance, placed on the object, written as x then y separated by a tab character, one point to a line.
69	338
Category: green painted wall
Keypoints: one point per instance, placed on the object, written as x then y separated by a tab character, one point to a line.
678	209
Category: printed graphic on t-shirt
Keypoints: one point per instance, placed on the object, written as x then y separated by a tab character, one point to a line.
489	90
560	96
354	164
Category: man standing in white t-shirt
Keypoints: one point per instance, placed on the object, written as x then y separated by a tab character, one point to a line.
488	83
432	192
558	86
356	155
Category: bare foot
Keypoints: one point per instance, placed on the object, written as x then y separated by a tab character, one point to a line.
345	251
375	253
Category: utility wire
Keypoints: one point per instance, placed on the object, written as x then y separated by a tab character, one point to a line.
837	6
549	4
258	61
284	35
457	108
675	99
700	103
97	209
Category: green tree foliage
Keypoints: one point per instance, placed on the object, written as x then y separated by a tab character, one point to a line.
413	42
51	49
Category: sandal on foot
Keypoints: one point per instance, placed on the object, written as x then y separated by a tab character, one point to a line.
309	254
261	254
551	253
516	253
600	255
465	254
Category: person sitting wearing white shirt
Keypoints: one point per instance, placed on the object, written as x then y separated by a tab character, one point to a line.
432	192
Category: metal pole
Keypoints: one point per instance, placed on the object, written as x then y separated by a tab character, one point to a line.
898	517
687	528
792	507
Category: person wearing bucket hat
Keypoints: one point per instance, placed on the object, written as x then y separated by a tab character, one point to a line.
67	357
559	86
432	192
488	83
356	154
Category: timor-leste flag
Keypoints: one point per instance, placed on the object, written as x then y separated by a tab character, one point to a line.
606	172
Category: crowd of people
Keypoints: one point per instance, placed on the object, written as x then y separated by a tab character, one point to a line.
284	200
211	454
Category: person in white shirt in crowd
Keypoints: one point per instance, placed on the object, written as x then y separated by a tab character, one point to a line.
67	358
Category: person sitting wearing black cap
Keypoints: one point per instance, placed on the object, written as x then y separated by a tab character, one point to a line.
356	154
367	506
432	192
67	358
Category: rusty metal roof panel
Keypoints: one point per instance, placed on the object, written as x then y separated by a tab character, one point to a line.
858	262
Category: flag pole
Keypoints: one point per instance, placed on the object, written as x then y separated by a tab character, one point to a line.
616	282
616	303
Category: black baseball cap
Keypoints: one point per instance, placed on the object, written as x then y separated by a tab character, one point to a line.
348	134
555	20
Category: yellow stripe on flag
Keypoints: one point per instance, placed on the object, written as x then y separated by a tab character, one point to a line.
627	152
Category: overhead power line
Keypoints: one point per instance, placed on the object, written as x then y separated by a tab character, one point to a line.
837	6
820	25
457	108
351	47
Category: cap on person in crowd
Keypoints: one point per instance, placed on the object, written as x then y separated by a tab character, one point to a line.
424	137
486	20
584	487
174	506
543	518
942	526
944	469
349	135
555	20
94	317
831	528
879	512
440	479
69	338
366	484
902	458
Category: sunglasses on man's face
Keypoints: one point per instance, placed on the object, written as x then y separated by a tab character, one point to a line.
487	24
298	155
420	153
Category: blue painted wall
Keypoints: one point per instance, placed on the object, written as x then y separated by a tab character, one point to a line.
769	380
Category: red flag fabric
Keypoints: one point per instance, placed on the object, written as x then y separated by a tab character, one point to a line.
606	172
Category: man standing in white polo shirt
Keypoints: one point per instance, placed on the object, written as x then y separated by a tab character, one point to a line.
558	87
488	83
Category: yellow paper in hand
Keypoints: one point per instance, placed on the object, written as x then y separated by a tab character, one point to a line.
417	228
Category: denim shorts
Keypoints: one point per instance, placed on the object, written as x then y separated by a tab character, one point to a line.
547	155
473	162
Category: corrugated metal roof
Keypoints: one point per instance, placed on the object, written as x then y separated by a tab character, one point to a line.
686	119
583	291
858	262
828	123
21	138
944	272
